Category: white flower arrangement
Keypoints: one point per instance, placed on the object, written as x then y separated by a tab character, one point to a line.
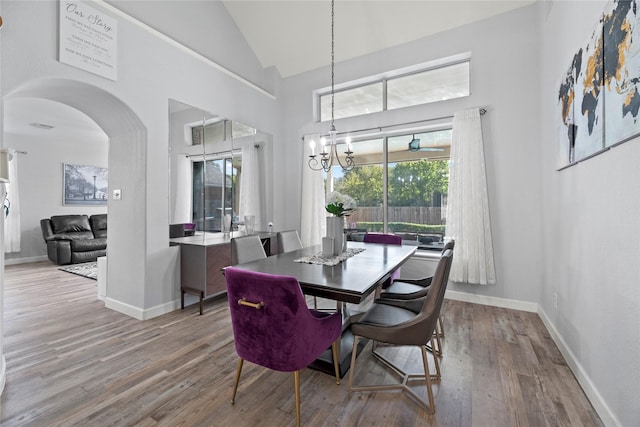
339	204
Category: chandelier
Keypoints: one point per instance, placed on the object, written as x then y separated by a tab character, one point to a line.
330	152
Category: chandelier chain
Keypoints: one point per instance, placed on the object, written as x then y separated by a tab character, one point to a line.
332	62
329	152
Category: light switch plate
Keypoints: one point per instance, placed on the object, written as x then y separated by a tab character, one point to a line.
117	194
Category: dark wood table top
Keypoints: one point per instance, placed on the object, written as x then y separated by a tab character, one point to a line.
350	281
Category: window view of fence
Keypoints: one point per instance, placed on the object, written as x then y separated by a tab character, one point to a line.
417	180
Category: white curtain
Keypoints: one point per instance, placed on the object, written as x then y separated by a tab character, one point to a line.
468	219
182	199
12	222
250	186
312	212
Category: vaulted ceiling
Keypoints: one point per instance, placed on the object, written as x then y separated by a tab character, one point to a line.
295	36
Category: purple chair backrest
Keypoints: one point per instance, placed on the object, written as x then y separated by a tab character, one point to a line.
282	334
390	239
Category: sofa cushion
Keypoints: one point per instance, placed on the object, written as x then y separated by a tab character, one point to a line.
88	244
99	225
70	223
81	235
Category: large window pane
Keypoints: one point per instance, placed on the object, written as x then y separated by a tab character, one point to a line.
429	86
212	189
352	102
365	184
417	185
417	192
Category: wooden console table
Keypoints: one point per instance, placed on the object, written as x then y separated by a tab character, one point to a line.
202	258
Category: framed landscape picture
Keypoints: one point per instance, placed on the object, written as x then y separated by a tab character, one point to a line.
85	185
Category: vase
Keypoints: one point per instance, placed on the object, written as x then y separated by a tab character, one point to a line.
335	229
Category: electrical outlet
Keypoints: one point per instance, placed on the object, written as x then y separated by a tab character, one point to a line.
555	300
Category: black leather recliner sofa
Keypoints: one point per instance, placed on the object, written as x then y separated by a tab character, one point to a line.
73	239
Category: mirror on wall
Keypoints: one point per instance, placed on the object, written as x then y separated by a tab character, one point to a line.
215	169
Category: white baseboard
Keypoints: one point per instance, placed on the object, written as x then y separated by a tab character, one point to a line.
138	313
492	301
16	261
601	407
3	373
603	410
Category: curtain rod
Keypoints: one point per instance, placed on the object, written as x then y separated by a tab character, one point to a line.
483	111
219	152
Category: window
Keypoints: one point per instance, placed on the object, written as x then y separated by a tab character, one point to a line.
211	132
413	201
352	102
428	86
447	78
213	186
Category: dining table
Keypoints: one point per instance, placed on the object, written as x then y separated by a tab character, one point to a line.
362	269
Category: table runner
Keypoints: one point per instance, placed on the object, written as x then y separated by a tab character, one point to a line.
318	258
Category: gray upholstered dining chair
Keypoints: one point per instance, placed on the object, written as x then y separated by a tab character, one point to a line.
246	249
409	293
288	241
402	327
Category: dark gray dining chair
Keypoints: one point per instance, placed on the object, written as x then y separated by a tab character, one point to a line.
409	293
402	327
246	249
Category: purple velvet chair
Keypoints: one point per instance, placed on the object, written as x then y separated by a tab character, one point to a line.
273	327
389	239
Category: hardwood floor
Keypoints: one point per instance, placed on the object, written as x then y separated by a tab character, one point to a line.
71	362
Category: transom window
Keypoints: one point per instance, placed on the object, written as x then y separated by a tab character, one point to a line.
398	89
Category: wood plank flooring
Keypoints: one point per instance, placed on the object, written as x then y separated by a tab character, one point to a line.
71	362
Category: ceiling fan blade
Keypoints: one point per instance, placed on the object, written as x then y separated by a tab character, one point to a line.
431	149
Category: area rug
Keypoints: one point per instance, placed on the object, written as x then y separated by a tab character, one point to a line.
87	269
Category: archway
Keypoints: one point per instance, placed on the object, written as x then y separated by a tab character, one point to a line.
126	249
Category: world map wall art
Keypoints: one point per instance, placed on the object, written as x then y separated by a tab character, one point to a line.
598	98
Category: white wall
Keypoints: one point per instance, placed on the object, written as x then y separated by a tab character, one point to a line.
549	234
204	26
504	73
591	236
142	268
40	181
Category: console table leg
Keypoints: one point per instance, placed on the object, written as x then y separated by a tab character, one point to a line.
201	302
